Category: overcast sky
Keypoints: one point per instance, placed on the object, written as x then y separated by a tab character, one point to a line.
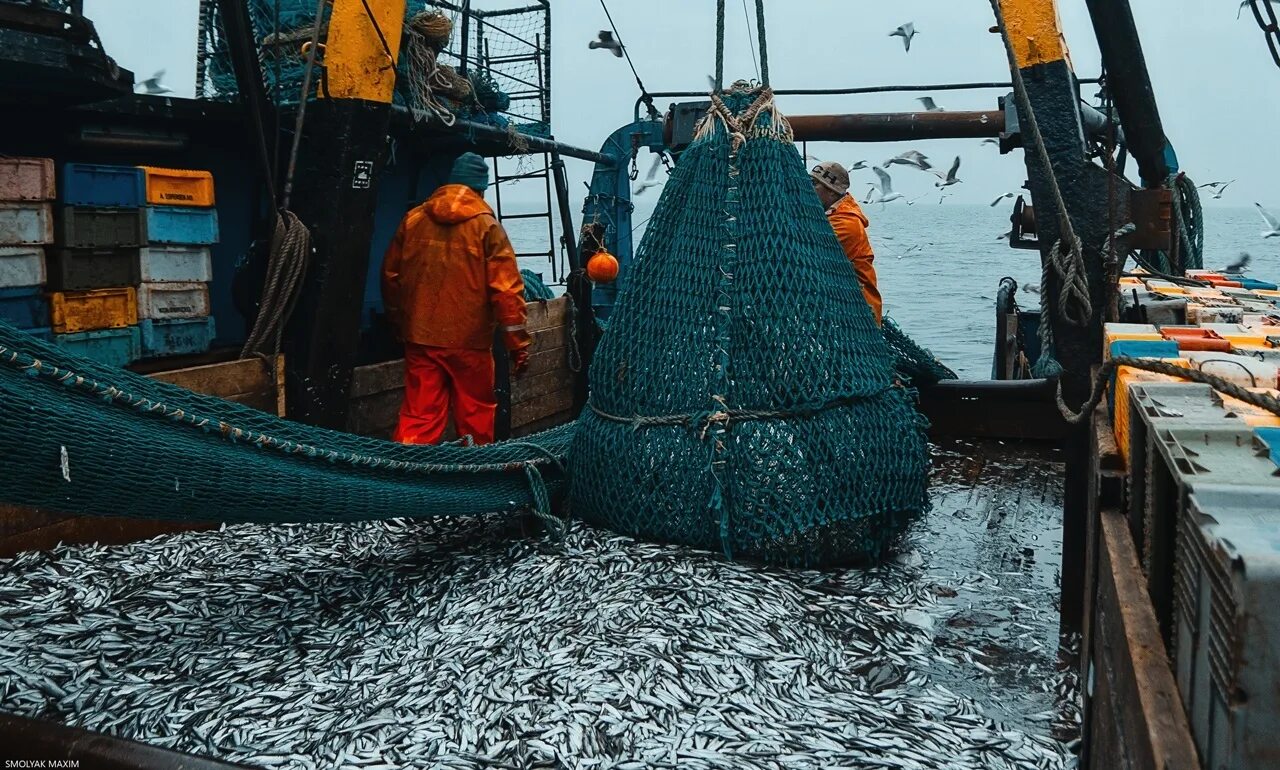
1210	72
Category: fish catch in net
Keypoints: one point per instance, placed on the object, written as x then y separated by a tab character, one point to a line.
743	399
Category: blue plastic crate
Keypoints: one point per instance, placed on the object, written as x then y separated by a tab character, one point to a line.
113	347
177	336
90	184
24	307
180	224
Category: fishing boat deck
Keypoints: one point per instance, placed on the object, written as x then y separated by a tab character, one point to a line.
464	643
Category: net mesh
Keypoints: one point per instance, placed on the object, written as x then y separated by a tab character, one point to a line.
504	81
914	364
82	437
743	398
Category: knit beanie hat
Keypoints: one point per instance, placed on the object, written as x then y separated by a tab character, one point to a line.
471	170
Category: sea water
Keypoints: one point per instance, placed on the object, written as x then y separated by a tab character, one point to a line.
940	265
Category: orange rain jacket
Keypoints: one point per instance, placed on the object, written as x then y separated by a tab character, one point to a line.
450	275
850	224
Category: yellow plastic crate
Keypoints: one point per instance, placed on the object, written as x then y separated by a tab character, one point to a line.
178	187
86	311
1125	376
1250	414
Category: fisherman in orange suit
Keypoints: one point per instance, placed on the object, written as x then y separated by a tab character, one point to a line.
449	280
831	182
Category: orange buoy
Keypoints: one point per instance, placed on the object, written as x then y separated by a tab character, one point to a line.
602	267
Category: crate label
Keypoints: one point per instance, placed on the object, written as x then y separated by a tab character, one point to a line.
363	175
177	197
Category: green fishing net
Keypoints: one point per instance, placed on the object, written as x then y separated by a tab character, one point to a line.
914	364
82	437
743	399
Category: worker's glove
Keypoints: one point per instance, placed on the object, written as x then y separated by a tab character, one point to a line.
516	339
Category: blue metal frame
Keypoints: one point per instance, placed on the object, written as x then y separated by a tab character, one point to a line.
609	201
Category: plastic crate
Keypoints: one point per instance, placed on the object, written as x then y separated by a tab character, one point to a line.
23	224
21	266
79	269
25	307
181	224
86	311
114	347
178	187
90	184
176	263
98	228
176	337
161	301
26	179
1226	661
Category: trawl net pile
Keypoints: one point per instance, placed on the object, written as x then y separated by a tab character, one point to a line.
743	398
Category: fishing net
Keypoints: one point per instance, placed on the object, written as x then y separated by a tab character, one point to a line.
82	437
744	399
489	65
914	364
535	289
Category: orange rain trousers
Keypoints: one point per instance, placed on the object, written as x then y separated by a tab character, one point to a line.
440	380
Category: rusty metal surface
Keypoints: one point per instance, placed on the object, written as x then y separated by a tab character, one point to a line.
1152	212
897	126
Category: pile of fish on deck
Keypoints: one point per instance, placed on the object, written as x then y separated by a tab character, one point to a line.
461	644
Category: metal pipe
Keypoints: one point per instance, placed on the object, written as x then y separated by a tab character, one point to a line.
483	132
897	126
1130	85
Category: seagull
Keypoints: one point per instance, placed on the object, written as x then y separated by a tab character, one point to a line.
1214	185
950	178
1273	225
650	179
858	166
996	202
1245	3
906	32
153	86
996	142
1217	196
871	194
1240	265
887	195
912	158
604	39
640	189
929	104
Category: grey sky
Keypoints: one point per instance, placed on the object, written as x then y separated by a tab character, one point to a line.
1212	74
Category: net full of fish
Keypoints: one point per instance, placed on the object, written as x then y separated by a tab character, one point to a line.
456	644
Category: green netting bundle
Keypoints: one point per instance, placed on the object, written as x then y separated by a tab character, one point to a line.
914	364
78	436
743	398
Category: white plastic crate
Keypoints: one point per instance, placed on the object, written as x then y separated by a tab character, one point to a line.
162	301
21	266
183	264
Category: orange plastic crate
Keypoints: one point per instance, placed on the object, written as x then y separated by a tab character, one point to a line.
86	311
178	187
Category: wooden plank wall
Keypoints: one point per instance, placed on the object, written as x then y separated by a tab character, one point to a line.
248	382
541	398
1134	718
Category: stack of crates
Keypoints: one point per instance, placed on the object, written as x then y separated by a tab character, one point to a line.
1203	504
27	191
175	266
93	269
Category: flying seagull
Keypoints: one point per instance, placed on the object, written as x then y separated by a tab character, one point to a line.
153	86
996	142
929	104
887	195
650	178
906	32
1273	224
950	178
604	39
1214	185
913	158
1240	265
858	166
996	202
871	194
1218	195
